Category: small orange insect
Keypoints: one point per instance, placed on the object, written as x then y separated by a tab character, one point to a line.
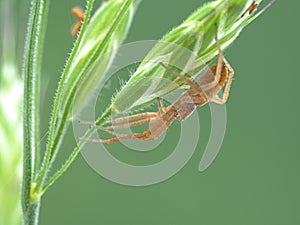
79	14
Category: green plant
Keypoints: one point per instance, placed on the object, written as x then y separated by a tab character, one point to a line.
91	44
89	59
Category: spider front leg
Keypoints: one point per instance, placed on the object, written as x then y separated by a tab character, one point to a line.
157	128
152	133
142	118
124	119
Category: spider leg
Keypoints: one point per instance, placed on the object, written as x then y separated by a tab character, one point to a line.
146	115
159	125
140	117
133	117
219	64
220	58
118	137
125	119
225	95
160	105
229	77
151	134
125	125
218	73
157	129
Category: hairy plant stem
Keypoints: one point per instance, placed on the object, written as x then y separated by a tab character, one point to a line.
31	74
32	214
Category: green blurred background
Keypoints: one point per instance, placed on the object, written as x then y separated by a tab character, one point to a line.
254	178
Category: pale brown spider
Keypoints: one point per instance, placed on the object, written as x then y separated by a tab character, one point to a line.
200	92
